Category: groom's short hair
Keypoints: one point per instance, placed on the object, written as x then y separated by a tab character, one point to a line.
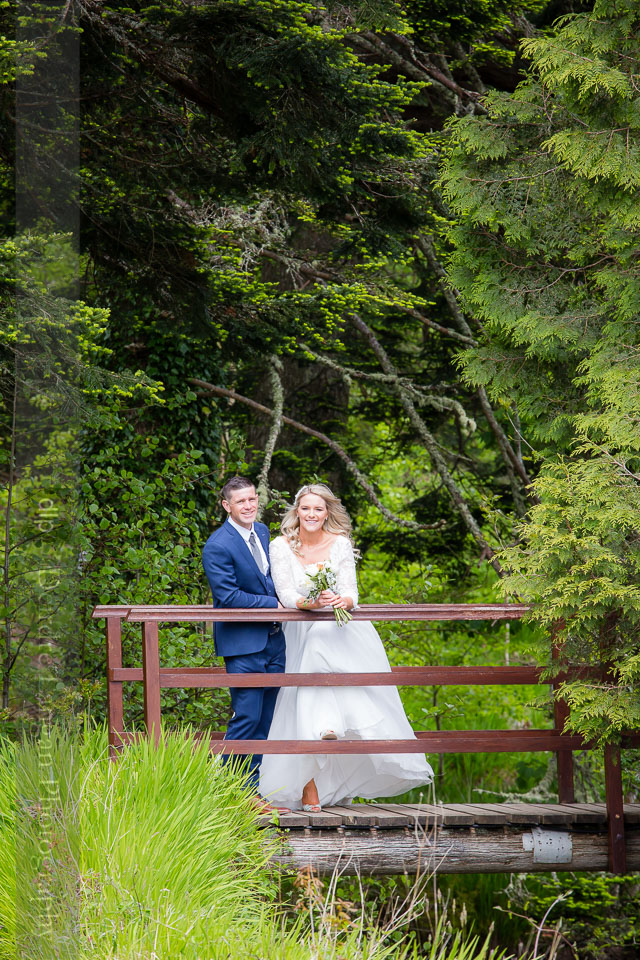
234	483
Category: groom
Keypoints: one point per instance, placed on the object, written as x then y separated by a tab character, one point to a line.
236	562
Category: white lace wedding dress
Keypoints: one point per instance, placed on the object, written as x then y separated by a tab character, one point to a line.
303	713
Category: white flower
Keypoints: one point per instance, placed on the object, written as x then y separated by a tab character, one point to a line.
311	569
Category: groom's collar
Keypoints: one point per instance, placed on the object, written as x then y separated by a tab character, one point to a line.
244	533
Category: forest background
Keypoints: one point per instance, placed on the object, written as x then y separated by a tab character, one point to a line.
390	245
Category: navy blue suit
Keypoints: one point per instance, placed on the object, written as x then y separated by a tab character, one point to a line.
236	581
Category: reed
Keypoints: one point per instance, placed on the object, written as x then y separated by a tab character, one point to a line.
157	855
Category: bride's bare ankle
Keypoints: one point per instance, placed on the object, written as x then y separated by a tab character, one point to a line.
310	793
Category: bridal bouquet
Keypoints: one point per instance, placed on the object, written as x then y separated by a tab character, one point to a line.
323	577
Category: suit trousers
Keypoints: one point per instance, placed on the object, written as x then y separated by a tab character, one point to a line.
253	706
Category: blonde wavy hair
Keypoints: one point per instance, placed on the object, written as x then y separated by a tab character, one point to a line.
337	521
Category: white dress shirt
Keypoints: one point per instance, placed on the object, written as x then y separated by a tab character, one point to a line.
245	534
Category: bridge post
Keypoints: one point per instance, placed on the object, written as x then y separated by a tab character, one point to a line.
615	809
113	632
564	758
151	678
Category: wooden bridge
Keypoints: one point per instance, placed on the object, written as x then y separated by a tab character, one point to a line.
396	838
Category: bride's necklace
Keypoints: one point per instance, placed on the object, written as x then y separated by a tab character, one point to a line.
307	551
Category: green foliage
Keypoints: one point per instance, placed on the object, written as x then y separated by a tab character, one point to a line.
141	540
50	344
545	253
52	378
158	853
483	23
581	562
599	912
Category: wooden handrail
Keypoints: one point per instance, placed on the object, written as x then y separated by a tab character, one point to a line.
370	611
471	676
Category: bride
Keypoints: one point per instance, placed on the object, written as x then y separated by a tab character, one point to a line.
317	530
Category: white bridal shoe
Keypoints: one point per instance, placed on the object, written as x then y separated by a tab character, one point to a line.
328	735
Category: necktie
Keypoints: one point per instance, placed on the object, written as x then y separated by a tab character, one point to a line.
255	550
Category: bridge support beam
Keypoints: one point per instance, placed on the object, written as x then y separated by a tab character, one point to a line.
449	850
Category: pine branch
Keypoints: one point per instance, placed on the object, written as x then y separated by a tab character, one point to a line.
427	249
310	271
352	467
438	402
431	446
446	331
146	54
512	459
411	66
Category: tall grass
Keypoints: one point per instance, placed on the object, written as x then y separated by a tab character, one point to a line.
157	853
155	856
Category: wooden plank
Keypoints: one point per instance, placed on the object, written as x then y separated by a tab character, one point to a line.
297	819
550	813
535	813
113	639
393	815
458	741
448	741
422	814
615	809
514	812
380	612
579	813
564	759
105	610
324	819
151	670
482	813
445	814
598	810
398	676
355	815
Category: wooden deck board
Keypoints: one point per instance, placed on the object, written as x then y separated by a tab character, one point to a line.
294	820
356	815
393	815
400	815
538	813
325	819
484	814
430	814
585	813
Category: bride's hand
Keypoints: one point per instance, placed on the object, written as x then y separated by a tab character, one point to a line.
327	598
330	599
340	602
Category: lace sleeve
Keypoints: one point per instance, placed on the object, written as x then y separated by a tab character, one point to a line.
347	584
281	572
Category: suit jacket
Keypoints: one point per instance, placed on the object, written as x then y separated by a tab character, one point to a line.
236	581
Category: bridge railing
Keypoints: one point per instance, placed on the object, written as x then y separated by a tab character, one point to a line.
155	678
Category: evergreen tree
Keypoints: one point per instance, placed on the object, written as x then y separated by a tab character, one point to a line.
545	253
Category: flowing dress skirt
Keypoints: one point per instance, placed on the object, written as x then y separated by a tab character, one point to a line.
354	713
